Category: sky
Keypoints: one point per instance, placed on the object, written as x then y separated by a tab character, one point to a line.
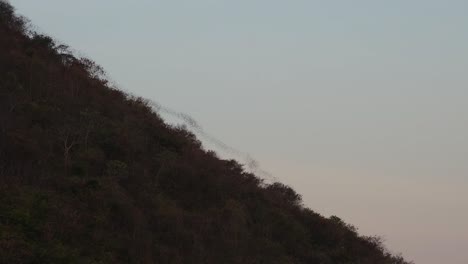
361	106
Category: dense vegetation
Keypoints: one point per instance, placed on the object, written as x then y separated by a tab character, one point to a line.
89	174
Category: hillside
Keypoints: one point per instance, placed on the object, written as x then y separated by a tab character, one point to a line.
89	174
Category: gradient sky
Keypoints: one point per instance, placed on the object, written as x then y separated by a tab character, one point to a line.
361	106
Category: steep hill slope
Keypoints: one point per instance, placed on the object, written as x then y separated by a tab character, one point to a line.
89	174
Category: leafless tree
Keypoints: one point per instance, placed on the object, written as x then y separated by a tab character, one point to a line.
69	139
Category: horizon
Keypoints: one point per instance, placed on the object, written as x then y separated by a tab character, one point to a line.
360	107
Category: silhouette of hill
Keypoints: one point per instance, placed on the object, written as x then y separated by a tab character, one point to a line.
89	174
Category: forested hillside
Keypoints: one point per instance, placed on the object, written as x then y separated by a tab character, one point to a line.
89	174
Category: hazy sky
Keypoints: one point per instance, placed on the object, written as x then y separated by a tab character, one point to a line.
360	105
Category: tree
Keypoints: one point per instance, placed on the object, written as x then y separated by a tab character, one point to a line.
285	193
117	168
69	139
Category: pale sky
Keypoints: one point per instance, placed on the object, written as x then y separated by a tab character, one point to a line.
361	106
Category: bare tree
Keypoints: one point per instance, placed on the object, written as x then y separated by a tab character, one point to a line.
69	139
